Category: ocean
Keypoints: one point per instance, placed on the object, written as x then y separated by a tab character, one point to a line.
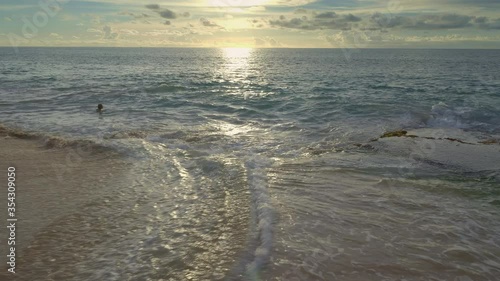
268	164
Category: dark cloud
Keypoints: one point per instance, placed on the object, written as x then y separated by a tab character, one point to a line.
136	16
486	23
295	23
167	14
351	18
301	11
431	22
482	3
167	22
153	6
445	21
327	20
481	20
326	15
208	23
383	22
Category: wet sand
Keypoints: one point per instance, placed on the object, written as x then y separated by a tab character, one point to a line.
51	183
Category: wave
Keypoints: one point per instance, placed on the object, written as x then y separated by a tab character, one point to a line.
50	141
442	115
263	215
127	135
166	88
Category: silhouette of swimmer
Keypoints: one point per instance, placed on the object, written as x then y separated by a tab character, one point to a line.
100	108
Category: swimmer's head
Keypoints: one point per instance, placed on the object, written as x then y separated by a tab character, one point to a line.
99	106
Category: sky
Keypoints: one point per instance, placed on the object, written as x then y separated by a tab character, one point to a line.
252	23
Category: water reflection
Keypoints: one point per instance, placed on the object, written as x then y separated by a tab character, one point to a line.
236	64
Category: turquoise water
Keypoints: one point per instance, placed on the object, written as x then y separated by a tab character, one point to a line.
277	144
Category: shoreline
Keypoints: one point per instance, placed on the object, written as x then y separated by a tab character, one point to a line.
51	183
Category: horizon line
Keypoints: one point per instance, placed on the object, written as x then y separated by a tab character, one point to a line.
241	47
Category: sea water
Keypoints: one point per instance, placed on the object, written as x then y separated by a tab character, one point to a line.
266	164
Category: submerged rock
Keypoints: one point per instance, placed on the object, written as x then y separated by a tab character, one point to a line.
492	141
400	133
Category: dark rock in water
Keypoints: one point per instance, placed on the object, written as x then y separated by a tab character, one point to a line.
403	133
492	141
457	140
400	133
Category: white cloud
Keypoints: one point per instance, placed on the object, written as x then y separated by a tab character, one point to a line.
256	9
365	39
57	36
129	31
267	42
108	33
93	30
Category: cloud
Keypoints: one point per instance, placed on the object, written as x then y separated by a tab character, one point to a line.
93	30
326	15
331	20
129	31
256	9
153	6
267	42
94	19
167	14
486	23
108	33
136	16
170	15
301	11
351	18
360	39
445	21
55	35
433	22
243	3
167	22
208	23
327	20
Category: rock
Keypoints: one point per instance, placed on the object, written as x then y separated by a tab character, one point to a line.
400	133
492	141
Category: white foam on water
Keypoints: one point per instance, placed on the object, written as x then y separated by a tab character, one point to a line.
264	213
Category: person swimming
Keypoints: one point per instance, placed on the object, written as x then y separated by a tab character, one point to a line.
100	108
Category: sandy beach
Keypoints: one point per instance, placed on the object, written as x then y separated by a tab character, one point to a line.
51	184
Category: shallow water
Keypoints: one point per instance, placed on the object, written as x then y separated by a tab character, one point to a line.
262	164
